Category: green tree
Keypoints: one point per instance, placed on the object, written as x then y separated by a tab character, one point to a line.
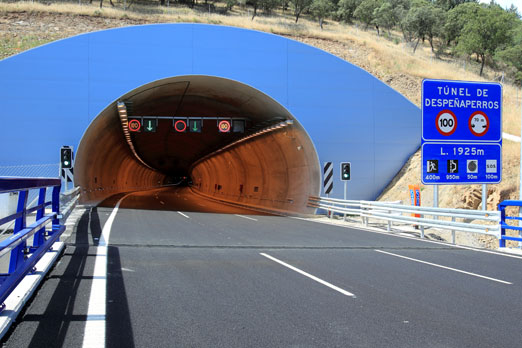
512	54
346	9
269	5
365	12
385	17
230	4
488	31
456	18
423	20
300	6
321	9
447	5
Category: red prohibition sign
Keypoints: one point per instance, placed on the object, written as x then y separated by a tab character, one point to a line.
224	126
134	125
446	122
180	126
478	123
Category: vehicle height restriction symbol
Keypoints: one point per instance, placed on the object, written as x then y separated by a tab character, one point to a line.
328	177
478	123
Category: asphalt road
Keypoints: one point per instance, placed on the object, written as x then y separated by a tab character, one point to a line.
235	279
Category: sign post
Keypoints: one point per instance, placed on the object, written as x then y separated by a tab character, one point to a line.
345	176
461	133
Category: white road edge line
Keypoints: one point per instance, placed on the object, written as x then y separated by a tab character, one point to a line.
246	217
444	267
325	283
94	333
365	229
180	213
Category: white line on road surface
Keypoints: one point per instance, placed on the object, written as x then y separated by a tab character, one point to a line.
246	217
180	213
412	237
444	267
325	283
94	334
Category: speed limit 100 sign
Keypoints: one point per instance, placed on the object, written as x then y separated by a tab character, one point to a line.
446	122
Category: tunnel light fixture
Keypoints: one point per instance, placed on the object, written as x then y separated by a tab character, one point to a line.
124	120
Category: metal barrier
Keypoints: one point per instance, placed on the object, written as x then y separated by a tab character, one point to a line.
28	244
504	226
394	212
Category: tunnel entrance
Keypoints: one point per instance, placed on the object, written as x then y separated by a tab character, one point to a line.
267	162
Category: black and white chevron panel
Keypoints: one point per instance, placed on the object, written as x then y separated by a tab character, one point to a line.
328	177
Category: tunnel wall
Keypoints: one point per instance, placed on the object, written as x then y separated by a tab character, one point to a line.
273	170
51	94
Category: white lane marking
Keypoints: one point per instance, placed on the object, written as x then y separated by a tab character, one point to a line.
362	228
325	283
246	217
444	267
180	213
94	334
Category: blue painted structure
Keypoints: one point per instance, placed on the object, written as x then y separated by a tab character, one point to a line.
16	246
504	225
349	114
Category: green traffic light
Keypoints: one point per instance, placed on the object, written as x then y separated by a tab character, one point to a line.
66	163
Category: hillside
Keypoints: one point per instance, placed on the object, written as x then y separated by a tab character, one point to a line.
25	25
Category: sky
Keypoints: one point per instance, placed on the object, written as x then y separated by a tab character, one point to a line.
507	3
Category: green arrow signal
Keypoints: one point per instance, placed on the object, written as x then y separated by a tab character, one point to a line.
149	127
195	128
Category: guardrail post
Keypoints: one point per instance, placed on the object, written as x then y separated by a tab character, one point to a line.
502	241
39	237
422	227
389	222
56	208
17	254
453	232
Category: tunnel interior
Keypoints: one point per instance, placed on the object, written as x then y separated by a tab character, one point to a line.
271	164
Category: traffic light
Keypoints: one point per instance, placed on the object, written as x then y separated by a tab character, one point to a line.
345	171
66	157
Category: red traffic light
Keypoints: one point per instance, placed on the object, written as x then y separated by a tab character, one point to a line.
224	126
180	126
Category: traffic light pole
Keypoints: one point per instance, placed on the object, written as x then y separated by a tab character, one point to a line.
345	186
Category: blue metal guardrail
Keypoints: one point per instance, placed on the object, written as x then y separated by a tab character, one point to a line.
23	254
504	226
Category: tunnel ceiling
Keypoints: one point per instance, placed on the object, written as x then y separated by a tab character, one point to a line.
172	152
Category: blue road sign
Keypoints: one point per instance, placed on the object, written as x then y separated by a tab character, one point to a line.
461	111
461	132
456	163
